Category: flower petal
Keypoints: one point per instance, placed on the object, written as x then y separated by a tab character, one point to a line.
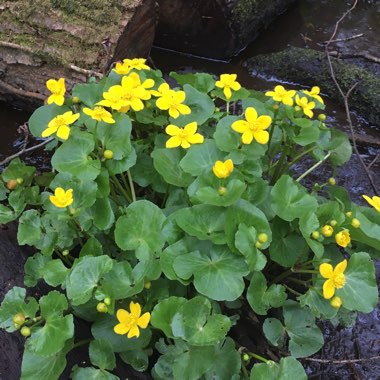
134	332
197	138
341	267
247	137
135	309
250	114
63	132
326	270
328	289
262	137
144	320
123	316
191	128
240	126
227	92
121	329
173	142
263	122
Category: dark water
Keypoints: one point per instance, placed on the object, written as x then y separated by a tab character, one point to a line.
307	25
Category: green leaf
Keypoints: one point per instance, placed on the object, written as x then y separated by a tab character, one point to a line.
51	338
84	277
290	200
140	229
305	337
245	240
92	247
17	169
103	214
34	268
288	368
369	231
307	135
92	373
244	212
54	272
274	331
203	221
201	158
138	359
164	312
103	329
89	93
37	367
41	117
166	162
340	147
121	166
73	157
13	303
6	215
101	354
218	274
261	298
225	138
360	291
201	105
211	195
317	304
201	81
29	229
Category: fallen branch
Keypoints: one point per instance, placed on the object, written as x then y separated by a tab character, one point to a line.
346	97
25	150
13	90
366	56
342	39
346	361
85	71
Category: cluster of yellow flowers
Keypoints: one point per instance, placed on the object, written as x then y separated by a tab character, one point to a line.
280	94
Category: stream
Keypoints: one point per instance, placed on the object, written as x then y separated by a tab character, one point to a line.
307	24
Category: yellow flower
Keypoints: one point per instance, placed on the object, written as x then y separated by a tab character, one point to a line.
99	114
327	230
305	105
228	82
343	238
223	169
58	89
314	93
281	95
130	64
60	125
163	89
336	302
253	127
172	101
130	322
112	98
62	198
183	137
374	201
335	278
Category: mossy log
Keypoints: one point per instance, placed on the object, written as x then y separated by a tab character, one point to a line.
44	39
215	29
310	68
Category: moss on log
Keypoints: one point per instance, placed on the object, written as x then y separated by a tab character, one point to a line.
309	67
70	38
214	28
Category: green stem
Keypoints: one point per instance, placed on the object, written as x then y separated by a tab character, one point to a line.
313	167
228	107
245	372
305	271
280	166
295	159
133	193
258	357
64	258
82	342
76	226
292	290
121	189
297	281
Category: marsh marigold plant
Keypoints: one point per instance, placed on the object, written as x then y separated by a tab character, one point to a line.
166	212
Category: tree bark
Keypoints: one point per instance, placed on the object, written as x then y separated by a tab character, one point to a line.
215	29
44	39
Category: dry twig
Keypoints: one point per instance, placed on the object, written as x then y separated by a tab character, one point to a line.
347	95
368	57
346	361
342	39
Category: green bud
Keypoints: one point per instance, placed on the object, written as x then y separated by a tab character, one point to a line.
263	238
315	235
258	245
349	214
108	154
101	307
25	331
332	181
65	252
19	180
107	301
333	223
222	190
355	223
147	285
297	108
275	107
245	357
76	99
19	318
322	117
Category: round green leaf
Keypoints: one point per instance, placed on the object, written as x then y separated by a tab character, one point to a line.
288	368
101	354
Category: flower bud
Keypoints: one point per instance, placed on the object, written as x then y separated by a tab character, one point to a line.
263	238
19	318
315	235
332	181
343	238
349	214
101	307
333	222
147	285
107	301
20	180
11	184
336	302
245	357
76	99
25	331
275	107
222	190
322	117
327	231
355	223
297	108
108	154
258	245
65	252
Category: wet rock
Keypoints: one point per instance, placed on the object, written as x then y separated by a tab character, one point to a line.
215	29
309	67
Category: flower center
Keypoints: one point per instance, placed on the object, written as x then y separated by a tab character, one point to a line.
339	280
